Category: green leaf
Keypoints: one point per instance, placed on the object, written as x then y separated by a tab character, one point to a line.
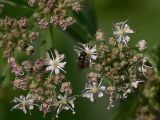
126	109
85	27
16	9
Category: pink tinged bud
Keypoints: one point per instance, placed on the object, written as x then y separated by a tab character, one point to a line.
22	22
45	108
33	35
66	87
31	2
142	45
99	35
43	24
20	83
77	7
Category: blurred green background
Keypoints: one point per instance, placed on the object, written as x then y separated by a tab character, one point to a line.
144	18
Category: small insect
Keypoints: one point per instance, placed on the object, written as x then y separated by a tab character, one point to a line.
82	60
147	68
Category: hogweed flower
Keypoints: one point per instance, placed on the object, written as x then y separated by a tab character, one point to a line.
93	77
20	83
66	87
121	32
99	35
141	45
55	64
77	6
15	36
16	69
136	83
45	108
121	68
90	51
65	103
53	12
93	90
24	103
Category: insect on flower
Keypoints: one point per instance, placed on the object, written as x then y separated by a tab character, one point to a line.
65	103
55	64
24	103
82	60
86	53
93	90
121	32
145	66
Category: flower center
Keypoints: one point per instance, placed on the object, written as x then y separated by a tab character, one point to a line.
94	89
122	32
55	64
88	52
64	101
24	102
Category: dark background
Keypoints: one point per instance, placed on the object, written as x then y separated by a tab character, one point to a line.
144	18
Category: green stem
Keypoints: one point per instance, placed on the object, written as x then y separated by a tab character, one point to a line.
51	33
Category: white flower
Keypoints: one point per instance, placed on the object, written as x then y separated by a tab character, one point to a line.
55	64
65	103
93	90
141	45
89	50
24	103
136	83
121	31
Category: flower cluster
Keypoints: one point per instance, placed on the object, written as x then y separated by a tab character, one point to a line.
14	35
120	67
55	12
122	31
42	79
93	88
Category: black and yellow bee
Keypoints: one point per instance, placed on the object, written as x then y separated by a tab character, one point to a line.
82	60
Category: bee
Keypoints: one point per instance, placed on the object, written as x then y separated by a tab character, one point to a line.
82	60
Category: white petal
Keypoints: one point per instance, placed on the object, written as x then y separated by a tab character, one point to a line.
47	56
49	68
62	64
93	49
102	88
100	94
31	107
66	107
91	98
127	38
56	52
94	57
57	71
24	109
86	94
